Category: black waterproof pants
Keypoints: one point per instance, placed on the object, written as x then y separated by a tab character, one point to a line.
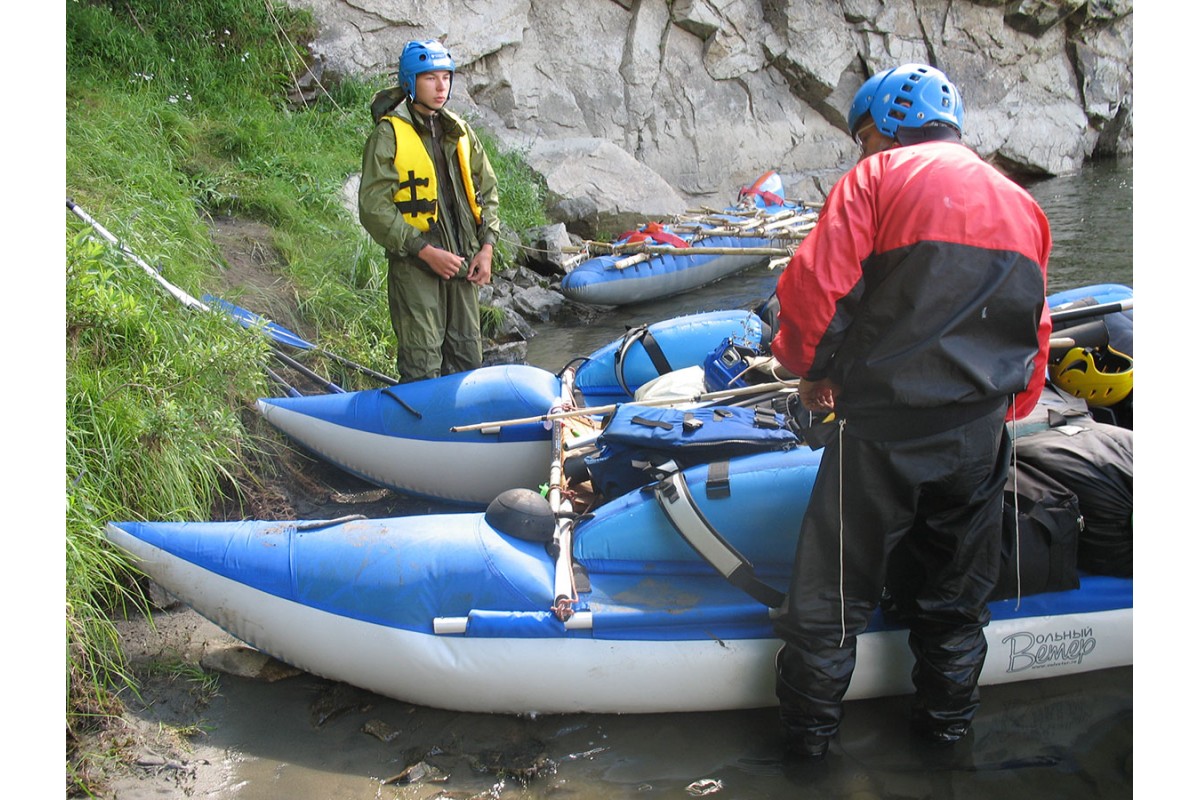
940	496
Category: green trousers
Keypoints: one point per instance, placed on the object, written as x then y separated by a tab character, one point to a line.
436	322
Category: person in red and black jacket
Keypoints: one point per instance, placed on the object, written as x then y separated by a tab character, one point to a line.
915	311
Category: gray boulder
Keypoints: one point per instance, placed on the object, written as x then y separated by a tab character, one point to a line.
634	109
548	250
599	189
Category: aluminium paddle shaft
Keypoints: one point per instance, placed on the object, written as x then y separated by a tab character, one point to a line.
178	293
587	411
1086	312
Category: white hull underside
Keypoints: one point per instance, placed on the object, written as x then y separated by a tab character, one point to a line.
584	674
468	472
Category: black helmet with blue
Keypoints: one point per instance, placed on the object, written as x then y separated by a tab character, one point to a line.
417	57
906	98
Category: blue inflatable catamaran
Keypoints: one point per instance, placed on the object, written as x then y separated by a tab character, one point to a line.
606	599
664	259
401	437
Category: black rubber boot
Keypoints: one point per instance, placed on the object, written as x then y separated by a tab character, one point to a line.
810	718
946	678
938	731
805	746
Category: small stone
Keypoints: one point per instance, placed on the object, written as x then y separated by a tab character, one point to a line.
337	700
421	772
381	730
368	496
704	786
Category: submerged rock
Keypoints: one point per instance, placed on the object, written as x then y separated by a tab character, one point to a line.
523	761
381	730
338	699
421	772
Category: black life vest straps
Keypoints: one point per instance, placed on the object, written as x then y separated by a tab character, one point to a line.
680	507
653	423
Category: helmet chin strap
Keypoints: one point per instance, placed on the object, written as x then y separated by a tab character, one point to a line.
424	109
933	132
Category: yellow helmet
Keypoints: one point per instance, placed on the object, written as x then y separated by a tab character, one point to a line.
1101	377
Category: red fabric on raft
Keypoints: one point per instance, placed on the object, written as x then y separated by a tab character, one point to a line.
653	231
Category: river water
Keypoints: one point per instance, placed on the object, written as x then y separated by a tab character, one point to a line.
1064	738
1091	223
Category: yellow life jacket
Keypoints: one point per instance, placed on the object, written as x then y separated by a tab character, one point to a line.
417	196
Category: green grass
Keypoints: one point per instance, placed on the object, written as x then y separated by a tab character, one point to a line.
152	428
177	113
202	685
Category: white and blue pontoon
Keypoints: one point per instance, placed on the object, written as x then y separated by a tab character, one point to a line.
661	260
400	437
618	614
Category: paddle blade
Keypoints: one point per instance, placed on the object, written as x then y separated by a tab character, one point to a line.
252	321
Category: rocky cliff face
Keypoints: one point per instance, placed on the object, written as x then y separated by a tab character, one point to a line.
698	97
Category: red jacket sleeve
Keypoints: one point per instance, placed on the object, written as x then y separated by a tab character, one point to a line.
815	290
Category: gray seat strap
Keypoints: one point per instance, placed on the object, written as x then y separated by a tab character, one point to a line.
676	501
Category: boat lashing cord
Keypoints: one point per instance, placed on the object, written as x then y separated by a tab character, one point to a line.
391	392
317	524
1016	498
841	423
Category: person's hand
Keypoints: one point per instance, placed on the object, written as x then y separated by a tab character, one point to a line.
480	272
443	263
819	395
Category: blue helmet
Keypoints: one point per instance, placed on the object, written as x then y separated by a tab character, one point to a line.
908	96
418	57
862	100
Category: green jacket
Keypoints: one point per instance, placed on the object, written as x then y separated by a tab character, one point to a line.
376	210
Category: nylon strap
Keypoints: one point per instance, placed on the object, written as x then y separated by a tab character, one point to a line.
657	357
391	392
640	334
716	486
680	507
764	417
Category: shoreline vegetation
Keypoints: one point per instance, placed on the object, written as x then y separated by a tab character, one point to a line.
180	130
